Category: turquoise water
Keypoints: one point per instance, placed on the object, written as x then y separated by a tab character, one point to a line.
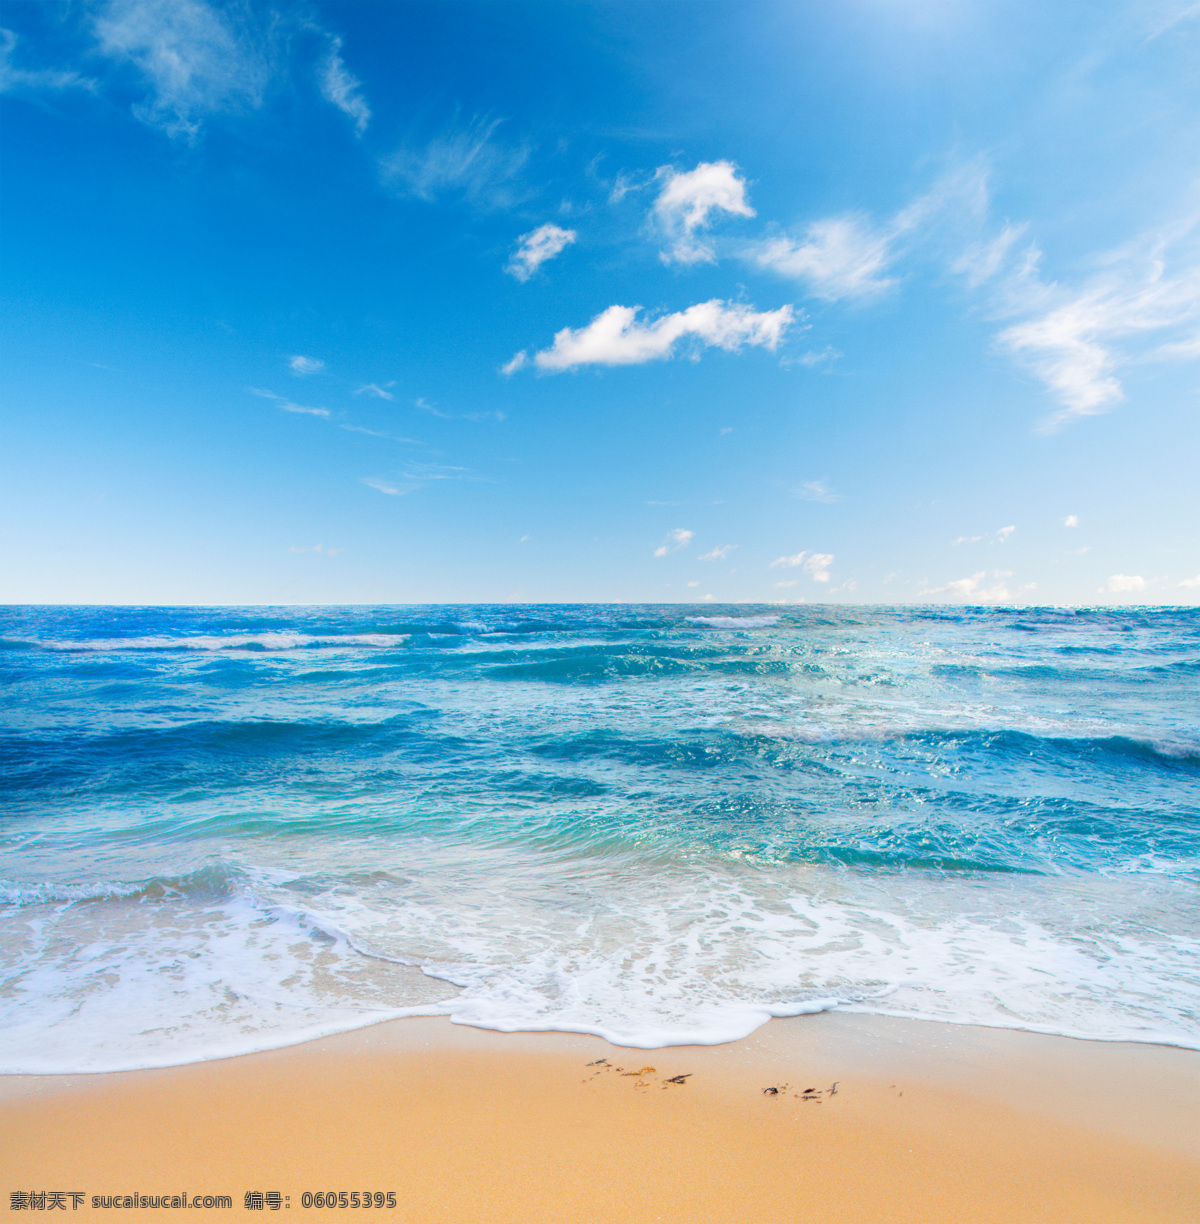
230	829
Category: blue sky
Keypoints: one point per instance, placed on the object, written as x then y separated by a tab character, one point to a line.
876	301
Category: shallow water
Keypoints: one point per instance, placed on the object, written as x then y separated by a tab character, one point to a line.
228	829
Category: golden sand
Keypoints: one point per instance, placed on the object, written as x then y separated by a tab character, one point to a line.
928	1123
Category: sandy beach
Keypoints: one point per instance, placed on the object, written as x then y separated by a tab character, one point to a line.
830	1117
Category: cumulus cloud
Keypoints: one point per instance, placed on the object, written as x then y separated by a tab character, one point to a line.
718	554
341	87
536	247
1191	583
616	337
305	365
1072	520
817	564
193	57
1120	584
465	160
974	588
14	79
687	202
675	540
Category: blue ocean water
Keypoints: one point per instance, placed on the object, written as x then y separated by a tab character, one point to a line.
230	829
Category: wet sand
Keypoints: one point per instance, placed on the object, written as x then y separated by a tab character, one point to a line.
928	1123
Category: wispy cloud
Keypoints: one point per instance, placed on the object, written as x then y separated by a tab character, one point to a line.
376	390
615	337
305	365
817	564
1000	536
687	202
718	554
375	433
536	247
839	257
1072	520
849	256
286	405
818	491
317	548
1191	583
465	160
385	486
14	79
195	59
675	540
1140	303
341	87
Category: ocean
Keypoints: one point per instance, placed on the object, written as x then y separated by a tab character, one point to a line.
233	829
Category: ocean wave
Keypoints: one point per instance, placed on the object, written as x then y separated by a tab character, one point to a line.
735	622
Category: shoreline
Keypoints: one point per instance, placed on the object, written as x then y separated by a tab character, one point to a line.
928	1122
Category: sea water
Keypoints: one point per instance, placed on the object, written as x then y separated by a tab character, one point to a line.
231	829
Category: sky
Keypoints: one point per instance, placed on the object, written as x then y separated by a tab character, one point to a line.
881	301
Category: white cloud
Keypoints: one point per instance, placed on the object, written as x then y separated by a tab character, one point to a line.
973	589
718	554
687	202
818	491
376	390
1141	303
966	540
1002	533
13	78
615	337
981	261
317	548
674	540
817	564
433	471
1072	520
826	356
465	160
840	257
1191	583
375	433
536	247
519	362
849	256
693	584
384	486
190	54
1123	583
286	404
305	365
341	87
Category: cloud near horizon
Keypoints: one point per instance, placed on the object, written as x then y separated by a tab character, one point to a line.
615	337
817	564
